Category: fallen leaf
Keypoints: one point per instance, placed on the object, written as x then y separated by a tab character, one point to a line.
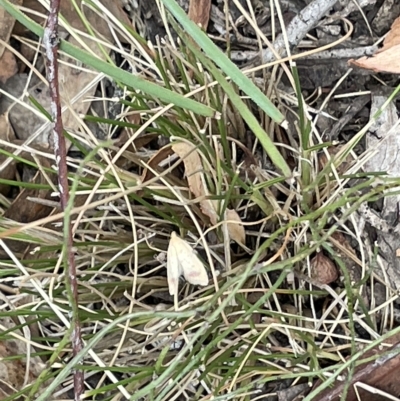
199	12
193	166
129	158
194	173
182	259
197	185
386	59
236	230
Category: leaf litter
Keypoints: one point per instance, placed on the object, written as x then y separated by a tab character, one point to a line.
120	224
386	59
197	184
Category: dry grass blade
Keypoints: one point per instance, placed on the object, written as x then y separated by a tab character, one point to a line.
227	258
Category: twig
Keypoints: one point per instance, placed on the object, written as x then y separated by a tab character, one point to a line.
245	55
343	53
51	40
302	23
380	371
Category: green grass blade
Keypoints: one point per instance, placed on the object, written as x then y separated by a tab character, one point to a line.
226	65
112	71
266	142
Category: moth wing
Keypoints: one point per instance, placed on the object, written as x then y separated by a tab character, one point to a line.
195	273
192	268
174	270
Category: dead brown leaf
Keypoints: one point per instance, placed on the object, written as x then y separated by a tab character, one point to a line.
197	185
199	12
236	230
193	166
161	155
129	156
194	173
386	59
137	143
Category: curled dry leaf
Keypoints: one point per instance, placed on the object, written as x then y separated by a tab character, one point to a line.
194	173
197	185
199	12
154	162
386	59
236	230
323	270
193	166
182	259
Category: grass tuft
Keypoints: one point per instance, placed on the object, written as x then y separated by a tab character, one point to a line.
264	319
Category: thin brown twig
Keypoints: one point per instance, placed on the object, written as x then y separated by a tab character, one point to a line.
379	371
51	40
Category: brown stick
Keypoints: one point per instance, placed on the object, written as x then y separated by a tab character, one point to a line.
51	41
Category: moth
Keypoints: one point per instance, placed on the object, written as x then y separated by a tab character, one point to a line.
183	260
